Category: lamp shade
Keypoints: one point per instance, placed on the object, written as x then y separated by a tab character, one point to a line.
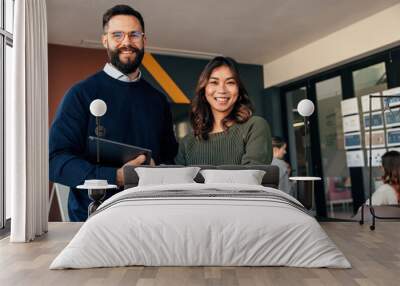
305	107
98	107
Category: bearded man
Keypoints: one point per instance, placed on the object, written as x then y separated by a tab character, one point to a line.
137	113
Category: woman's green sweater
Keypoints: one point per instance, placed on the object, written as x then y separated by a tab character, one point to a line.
242	144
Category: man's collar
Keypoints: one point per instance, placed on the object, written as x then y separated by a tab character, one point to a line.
117	74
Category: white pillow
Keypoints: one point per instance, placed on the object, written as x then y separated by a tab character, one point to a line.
166	176
248	177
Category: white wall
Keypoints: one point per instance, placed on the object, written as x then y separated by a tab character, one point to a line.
364	37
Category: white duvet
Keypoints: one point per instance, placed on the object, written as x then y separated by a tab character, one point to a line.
183	231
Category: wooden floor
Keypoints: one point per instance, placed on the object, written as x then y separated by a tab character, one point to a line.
374	255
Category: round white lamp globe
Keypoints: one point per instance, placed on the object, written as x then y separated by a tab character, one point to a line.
98	107
305	107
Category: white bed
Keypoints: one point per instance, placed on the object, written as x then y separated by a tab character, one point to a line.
223	225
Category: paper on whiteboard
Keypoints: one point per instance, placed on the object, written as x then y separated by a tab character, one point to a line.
355	158
376	155
351	123
375	102
377	139
377	120
393	136
352	140
391	101
392	117
349	106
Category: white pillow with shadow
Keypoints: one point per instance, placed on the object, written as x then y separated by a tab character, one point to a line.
248	177
166	176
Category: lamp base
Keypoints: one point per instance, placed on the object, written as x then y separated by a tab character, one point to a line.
97	196
305	191
305	194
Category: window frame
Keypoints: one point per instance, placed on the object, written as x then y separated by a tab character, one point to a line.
6	39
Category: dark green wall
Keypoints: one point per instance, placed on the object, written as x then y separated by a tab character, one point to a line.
186	71
273	110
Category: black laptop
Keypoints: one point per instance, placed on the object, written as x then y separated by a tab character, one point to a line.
113	153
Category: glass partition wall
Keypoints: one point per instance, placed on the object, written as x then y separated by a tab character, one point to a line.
344	188
337	181
370	80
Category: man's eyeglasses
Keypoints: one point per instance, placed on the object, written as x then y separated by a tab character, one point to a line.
133	36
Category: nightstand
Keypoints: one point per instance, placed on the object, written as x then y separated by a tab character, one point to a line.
97	190
305	190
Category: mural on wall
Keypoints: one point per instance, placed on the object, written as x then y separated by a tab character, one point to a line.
164	80
174	76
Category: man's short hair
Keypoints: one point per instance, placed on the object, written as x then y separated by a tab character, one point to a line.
122	10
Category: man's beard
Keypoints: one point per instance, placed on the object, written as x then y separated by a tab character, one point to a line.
130	66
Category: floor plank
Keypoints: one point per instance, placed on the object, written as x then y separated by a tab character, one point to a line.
374	255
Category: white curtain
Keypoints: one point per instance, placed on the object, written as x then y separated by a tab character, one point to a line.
27	123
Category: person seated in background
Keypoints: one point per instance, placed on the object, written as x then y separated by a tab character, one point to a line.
389	192
225	131
279	150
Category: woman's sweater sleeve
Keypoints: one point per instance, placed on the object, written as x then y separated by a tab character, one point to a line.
258	143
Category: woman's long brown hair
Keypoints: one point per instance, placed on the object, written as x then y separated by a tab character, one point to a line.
391	167
201	116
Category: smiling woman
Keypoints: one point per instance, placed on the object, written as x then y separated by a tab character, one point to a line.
224	129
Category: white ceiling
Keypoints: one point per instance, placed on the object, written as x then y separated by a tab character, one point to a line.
252	31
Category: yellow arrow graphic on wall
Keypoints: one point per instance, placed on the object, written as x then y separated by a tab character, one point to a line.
164	80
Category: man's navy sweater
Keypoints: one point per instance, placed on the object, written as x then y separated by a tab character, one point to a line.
137	114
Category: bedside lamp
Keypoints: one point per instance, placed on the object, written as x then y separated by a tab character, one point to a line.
306	108
97	188
305	185
98	108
